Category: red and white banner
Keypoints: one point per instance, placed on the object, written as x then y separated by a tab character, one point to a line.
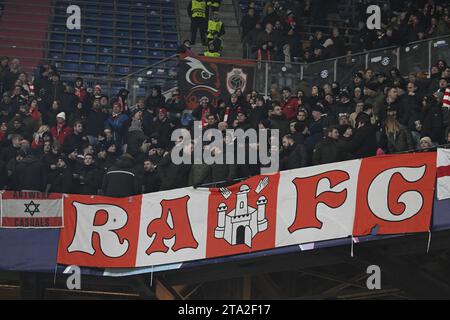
443	174
31	209
389	194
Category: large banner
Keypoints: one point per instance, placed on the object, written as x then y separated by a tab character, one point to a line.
31	209
380	195
214	78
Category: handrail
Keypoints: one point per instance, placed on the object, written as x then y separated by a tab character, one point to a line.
149	67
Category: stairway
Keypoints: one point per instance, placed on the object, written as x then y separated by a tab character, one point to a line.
231	40
23	31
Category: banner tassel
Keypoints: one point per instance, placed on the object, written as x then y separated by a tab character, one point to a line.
151	278
429	241
54	276
351	248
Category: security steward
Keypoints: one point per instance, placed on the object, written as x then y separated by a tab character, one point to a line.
197	11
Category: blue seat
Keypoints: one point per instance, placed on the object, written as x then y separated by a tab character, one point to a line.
155	44
140	62
122	42
154	27
55	55
122	33
72	47
122	25
103	68
104	40
106	32
122	51
70	66
89	39
57	37
91	31
73	38
105	49
122	60
171	37
138	26
139	43
170	45
87	48
72	56
89	57
138	52
105	59
87	67
137	34
121	70
106	23
56	45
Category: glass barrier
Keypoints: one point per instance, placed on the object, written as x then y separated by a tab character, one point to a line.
348	66
319	73
383	60
414	58
440	49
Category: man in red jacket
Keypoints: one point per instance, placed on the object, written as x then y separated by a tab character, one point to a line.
61	130
289	104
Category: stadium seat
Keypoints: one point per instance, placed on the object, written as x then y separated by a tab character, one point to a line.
132	33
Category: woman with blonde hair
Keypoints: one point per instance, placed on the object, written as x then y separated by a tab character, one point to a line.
399	138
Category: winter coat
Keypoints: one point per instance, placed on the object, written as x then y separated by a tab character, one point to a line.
294	157
30	174
327	151
89	179
120	180
62	182
95	122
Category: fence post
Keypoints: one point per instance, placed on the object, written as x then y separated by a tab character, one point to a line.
398	58
335	69
266	79
367	61
429	57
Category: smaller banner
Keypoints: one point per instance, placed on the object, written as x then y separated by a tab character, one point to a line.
443	174
31	209
213	78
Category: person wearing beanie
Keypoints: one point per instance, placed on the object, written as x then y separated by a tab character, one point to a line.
61	130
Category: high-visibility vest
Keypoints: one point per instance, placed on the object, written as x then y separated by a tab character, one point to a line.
211	54
214	26
198	9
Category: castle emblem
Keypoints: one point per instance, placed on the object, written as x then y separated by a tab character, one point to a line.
243	223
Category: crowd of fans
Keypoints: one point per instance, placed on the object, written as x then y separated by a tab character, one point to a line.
276	32
64	137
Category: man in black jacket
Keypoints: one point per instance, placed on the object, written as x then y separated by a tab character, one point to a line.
30	173
63	180
327	150
292	155
89	176
120	180
75	140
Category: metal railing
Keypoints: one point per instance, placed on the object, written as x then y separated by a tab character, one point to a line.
412	58
415	57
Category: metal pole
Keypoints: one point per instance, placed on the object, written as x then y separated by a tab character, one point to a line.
335	69
429	57
398	58
267	79
301	72
367	61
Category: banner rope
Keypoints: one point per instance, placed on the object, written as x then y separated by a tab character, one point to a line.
429	241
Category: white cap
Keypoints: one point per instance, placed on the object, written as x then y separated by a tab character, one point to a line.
61	115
